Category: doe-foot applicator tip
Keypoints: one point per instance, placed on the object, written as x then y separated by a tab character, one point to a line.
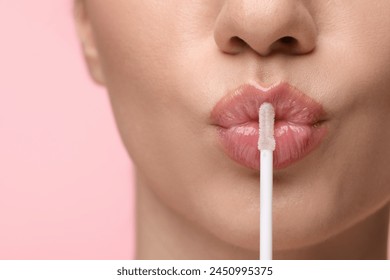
266	127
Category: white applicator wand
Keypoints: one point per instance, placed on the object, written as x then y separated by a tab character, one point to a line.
266	145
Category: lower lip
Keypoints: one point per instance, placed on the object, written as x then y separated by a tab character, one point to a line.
293	142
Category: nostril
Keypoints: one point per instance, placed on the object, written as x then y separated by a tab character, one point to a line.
288	40
234	45
237	41
285	44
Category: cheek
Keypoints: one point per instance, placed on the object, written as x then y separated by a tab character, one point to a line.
131	41
353	78
145	66
357	55
135	54
146	74
150	74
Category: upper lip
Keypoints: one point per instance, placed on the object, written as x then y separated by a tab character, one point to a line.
242	106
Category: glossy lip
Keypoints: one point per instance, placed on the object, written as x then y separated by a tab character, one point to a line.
299	124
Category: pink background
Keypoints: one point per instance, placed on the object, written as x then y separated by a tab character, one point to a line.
65	179
66	183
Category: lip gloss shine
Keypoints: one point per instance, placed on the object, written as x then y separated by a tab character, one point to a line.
299	124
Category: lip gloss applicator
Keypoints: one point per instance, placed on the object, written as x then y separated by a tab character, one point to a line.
266	145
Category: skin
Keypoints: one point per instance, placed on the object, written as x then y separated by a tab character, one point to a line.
166	64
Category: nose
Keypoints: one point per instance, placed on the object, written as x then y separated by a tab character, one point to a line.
266	26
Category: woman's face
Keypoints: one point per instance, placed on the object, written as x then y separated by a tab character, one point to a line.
166	64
